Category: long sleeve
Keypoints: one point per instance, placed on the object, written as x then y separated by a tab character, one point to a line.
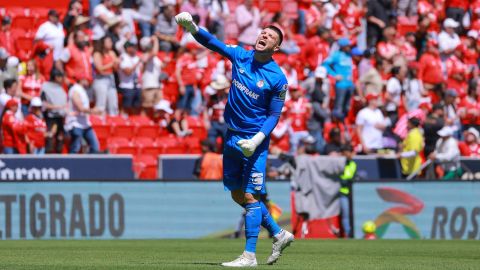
329	62
451	151
275	107
212	43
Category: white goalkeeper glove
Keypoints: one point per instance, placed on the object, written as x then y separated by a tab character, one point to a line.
248	146
185	20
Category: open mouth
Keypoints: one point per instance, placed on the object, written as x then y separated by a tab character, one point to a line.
262	43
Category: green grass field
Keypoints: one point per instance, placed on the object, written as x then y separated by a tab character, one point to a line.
207	254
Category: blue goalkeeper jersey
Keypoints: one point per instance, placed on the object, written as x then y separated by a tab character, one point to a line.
257	92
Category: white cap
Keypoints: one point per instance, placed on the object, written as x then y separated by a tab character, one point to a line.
321	72
145	43
36	102
220	82
163	105
473	34
446	131
474	131
3	53
449	22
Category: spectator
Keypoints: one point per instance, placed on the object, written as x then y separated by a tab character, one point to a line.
195	7
434	122
371	82
12	91
151	70
43	56
316	50
149	9
315	18
401	127
76	58
336	121
248	19
430	71
446	155
213	115
30	85
7	38
411	148
370	125
450	107
470	147
340	66
394	92
346	180
343	26
12	128
448	39
102	14
75	9
176	123
330	9
129	18
77	123
457	72
456	9
36	128
55	103
218	13
298	110
378	16
210	165
407	8
188	76
8	66
51	32
315	122
334	147
413	88
288	68
106	63
129	74
388	48
114	31
468	107
166	29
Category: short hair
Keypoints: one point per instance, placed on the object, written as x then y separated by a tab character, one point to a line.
8	83
278	31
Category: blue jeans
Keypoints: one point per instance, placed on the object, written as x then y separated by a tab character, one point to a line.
216	130
146	28
10	150
319	140
76	140
39	151
342	99
345	211
185	102
93	4
25	110
302	26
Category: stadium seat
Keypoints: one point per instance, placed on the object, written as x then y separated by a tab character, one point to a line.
148	166
121	145
193	145
171	145
139	120
102	130
198	127
150	130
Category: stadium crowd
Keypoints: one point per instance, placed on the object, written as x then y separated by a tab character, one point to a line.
398	77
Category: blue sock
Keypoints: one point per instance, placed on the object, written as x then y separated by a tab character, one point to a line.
253	219
268	222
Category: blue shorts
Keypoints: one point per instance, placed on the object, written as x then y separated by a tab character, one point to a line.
240	172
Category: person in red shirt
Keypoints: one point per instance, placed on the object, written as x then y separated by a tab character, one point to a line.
470	147
7	38
469	107
43	56
336	122
430	71
316	50
36	128
457	72
77	59
470	52
30	84
188	75
388	49
298	111
12	129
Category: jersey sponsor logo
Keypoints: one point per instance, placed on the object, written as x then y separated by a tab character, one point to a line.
245	90
260	84
241	70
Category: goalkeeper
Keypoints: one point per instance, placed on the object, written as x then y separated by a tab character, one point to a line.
255	102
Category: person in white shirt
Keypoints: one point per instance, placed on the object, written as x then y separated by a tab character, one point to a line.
151	71
218	12
11	90
77	122
51	32
370	125
448	39
395	89
102	14
248	19
330	8
447	153
129	75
